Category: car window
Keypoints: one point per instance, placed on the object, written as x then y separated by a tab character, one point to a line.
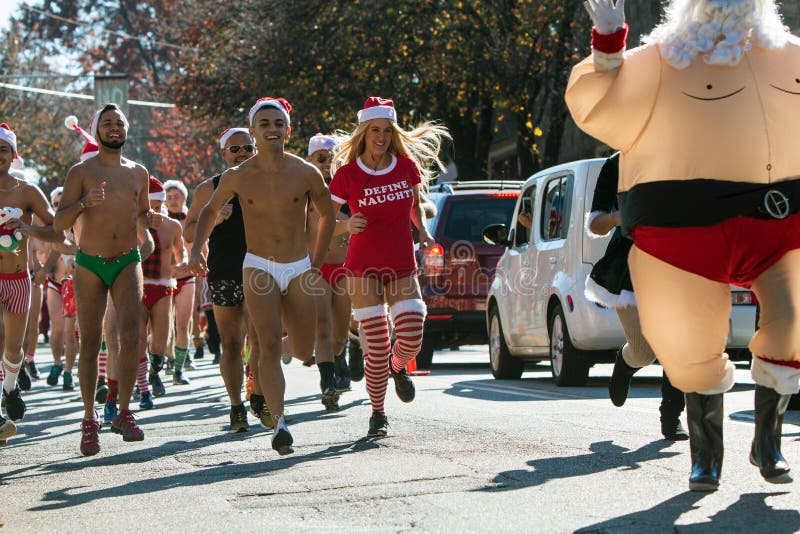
438	200
522	235
555	208
466	218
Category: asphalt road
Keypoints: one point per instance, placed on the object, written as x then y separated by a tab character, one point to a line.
470	454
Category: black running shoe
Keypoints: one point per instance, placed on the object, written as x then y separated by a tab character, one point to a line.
32	370
341	373
157	385
215	360
68	384
101	392
15	406
378	425
23	380
239	419
403	385
356	360
198	354
178	379
282	441
330	399
55	372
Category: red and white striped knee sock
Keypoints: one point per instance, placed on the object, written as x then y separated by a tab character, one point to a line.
408	317
376	335
11	371
141	375
102	363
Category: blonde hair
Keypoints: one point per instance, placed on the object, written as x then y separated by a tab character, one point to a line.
422	145
721	31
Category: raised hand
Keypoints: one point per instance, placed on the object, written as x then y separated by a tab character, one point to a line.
607	17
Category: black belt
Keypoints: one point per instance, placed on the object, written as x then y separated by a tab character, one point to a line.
703	202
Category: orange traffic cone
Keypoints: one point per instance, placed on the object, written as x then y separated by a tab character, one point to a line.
411	369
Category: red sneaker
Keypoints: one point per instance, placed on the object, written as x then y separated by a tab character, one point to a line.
125	424
90	437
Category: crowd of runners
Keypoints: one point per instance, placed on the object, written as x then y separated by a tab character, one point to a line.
121	275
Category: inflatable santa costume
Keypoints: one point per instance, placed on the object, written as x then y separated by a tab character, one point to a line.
707	115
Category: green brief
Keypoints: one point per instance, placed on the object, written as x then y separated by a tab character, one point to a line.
107	269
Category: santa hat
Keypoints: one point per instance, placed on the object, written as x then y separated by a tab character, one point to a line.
377	108
96	120
321	142
268	102
55	192
11	138
156	189
175	184
230	132
90	149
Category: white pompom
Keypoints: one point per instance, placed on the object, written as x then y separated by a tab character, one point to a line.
71	122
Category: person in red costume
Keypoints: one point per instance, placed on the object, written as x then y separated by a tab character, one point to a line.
706	115
379	172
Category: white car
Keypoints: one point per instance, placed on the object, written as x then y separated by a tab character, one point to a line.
536	309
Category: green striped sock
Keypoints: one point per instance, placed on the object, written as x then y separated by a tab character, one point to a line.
180	357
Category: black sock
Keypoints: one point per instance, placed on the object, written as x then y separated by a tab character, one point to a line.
326	372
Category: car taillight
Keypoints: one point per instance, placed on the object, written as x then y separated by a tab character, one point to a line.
743	298
507	194
433	261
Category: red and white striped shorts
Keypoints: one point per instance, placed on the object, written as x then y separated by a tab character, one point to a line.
15	292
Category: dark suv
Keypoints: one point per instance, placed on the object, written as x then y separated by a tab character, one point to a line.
455	274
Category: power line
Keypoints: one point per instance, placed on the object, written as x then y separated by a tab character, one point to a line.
79	95
104	30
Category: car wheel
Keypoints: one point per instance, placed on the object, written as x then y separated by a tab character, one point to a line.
503	364
425	356
568	364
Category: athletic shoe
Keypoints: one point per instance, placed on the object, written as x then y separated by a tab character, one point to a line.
198	355
146	401
124	423
342	373
282	439
187	365
109	412
135	395
156	385
215	360
101	393
239	419
67	385
378	425
286	359
356	360
32	370
330	399
7	429
403	385
15	406
311	361
90	437
23	380
55	372
258	406
168	366
179	380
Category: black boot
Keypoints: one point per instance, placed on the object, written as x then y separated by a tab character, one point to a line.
765	453
672	404
704	414
620	380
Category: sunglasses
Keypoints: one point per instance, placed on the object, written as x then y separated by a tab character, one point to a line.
324	158
234	149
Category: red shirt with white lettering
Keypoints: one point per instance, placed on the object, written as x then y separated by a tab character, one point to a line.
385	198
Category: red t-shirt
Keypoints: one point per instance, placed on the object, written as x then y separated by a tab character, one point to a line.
385	198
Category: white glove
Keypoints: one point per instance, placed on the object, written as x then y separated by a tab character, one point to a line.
607	17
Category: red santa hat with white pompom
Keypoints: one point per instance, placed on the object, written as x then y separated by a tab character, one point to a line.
8	135
90	149
377	108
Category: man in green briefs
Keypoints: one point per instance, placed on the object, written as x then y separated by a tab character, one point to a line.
106	199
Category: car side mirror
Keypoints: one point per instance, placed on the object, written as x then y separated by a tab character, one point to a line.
496	234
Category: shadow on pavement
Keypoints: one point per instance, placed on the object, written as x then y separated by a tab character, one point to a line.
662	517
64	498
605	456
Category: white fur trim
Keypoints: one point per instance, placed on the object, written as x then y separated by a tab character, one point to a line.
604	62
230	132
55	192
596	293
175	184
408	305
9	137
338	200
377	112
725	385
158	195
588	225
783	379
321	142
274	104
360	314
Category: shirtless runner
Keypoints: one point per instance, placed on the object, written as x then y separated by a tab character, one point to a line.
109	195
272	188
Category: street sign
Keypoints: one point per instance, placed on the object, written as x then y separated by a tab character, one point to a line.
111	88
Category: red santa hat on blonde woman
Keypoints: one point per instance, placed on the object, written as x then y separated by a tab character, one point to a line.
377	108
90	149
269	102
7	135
156	189
230	132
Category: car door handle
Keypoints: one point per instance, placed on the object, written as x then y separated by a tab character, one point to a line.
552	261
